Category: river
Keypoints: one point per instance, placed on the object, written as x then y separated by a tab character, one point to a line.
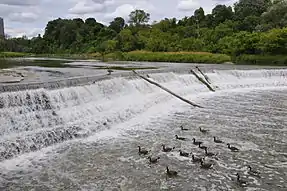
86	137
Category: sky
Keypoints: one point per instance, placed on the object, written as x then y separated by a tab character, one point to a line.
29	17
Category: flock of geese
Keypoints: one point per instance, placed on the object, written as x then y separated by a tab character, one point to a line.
203	164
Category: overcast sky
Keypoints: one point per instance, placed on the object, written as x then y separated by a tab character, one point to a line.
29	17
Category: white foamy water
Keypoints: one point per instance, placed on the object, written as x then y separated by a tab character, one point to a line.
82	131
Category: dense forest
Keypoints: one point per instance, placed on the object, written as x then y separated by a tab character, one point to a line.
249	27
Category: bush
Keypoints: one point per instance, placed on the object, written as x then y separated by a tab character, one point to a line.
274	60
12	54
187	57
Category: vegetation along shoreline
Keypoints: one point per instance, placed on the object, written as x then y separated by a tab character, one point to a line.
250	32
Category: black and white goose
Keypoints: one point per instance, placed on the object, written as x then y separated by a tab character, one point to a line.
142	151
183	154
153	160
217	140
195	159
203	130
180	138
233	149
209	154
170	173
183	129
166	149
205	165
253	172
196	142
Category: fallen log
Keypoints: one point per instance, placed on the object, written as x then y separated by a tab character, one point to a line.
204	75
167	90
202	81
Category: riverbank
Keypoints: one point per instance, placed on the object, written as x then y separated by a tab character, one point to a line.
14	54
174	57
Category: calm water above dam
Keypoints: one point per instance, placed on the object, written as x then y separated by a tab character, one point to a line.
86	137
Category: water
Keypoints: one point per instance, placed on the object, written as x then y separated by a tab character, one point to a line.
86	137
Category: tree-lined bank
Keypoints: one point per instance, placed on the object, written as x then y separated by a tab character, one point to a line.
252	32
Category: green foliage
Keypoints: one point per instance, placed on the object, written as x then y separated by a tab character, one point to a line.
139	17
245	8
106	47
127	41
254	27
177	57
276	15
12	54
278	60
117	24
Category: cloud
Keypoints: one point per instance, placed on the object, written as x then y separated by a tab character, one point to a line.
19	32
121	11
23	17
187	5
19	2
85	7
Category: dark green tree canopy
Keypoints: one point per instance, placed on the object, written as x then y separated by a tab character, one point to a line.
245	8
139	17
221	13
117	24
249	27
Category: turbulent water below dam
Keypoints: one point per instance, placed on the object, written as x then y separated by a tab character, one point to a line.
87	137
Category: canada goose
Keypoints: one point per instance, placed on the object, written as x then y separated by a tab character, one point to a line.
202	147
205	165
234	149
183	129
196	142
203	130
180	138
209	154
195	159
253	172
142	151
166	149
240	181
170	173
217	140
153	160
184	154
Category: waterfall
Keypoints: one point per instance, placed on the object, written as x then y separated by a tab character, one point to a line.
37	118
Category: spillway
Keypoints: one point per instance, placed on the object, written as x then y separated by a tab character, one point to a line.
77	137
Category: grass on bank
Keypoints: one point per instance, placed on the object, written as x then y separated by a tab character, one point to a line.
13	54
187	57
184	57
270	60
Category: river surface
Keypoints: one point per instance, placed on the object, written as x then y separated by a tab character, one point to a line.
87	137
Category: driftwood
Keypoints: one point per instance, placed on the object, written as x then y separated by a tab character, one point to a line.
204	75
202	81
167	90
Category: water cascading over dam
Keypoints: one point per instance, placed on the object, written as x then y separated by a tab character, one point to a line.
32	120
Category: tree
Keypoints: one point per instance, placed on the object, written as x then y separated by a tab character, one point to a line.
276	15
245	8
107	47
126	40
199	15
138	18
117	24
221	13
